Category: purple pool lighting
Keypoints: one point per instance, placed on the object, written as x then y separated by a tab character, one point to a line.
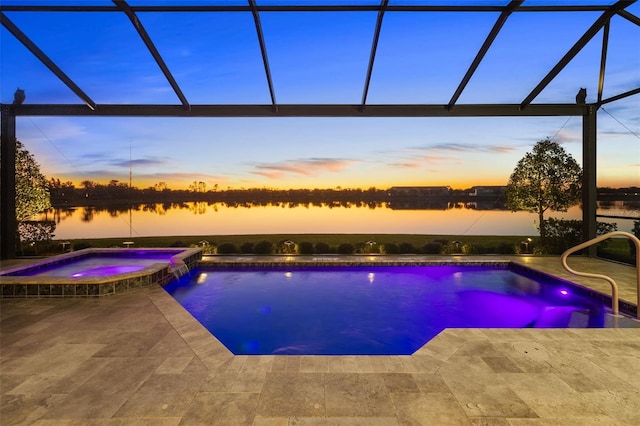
100	264
381	310
105	271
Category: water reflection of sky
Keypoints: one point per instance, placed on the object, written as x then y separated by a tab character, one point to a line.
221	220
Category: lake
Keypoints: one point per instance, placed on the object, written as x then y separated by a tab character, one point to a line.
200	218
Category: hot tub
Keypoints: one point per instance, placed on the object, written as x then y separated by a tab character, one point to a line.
98	272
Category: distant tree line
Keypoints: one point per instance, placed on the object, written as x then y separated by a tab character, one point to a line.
116	193
631	192
91	193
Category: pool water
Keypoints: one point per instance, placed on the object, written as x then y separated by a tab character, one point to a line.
371	310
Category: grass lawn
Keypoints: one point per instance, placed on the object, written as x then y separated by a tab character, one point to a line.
615	249
479	244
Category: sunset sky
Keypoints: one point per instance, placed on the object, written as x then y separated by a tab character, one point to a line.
316	58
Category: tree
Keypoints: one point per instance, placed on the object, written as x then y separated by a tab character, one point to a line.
35	232
32	197
32	192
161	186
88	184
547	178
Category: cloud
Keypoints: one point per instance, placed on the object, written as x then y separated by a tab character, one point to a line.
108	160
416	160
183	177
306	167
410	164
95	156
141	162
461	147
143	179
566	136
614	133
268	174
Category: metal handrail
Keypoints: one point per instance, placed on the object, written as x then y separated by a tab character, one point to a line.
614	286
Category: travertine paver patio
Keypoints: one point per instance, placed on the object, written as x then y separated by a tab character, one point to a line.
139	358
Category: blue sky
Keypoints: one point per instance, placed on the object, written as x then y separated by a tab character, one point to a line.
317	58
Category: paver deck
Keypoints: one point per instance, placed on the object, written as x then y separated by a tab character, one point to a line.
140	359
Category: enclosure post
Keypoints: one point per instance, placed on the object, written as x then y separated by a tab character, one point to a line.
589	189
8	224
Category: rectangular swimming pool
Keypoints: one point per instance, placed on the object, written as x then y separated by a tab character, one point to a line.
375	310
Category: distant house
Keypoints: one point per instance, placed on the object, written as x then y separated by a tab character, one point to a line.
419	191
488	191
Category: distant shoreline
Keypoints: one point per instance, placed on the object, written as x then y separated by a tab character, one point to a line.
117	194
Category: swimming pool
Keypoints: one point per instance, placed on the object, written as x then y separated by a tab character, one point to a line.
97	272
374	310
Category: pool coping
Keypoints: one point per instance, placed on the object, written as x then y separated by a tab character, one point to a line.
54	286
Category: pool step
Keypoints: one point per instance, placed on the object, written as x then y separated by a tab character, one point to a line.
574	317
562	317
612	321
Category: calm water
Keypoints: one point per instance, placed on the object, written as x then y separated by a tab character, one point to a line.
371	310
219	219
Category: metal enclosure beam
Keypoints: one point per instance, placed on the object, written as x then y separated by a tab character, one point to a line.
8	224
304	110
620	96
374	48
483	49
152	49
263	50
603	60
575	49
589	189
26	41
310	8
630	17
